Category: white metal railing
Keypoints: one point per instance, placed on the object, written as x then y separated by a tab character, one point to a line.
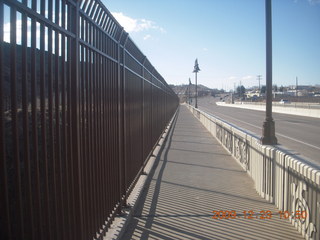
283	179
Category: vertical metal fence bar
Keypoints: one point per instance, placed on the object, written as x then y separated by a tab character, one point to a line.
103	137
101	190
97	125
120	119
14	115
83	131
112	158
35	152
107	131
125	128
104	158
142	110
89	130
29	216
113	124
71	123
43	139
99	158
90	94
95	157
68	163
57	143
94	126
99	149
75	126
63	169
5	218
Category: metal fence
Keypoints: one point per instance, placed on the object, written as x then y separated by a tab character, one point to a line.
81	109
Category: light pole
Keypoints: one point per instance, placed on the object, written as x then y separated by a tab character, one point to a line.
268	132
196	70
189	91
296	86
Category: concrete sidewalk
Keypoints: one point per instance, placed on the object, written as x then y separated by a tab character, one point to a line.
194	177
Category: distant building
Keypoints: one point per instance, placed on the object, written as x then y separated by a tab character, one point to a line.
253	94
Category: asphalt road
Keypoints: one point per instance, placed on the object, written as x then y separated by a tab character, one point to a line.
297	134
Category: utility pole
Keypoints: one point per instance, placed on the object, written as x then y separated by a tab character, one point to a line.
268	132
296	86
196	70
234	92
189	91
259	78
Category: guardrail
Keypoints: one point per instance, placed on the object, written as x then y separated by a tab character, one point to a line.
81	110
280	178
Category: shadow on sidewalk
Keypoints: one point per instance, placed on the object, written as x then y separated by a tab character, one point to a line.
185	187
138	212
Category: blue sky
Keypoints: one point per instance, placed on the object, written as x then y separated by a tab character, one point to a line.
227	37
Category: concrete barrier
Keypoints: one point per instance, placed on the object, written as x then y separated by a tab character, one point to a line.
282	179
275	108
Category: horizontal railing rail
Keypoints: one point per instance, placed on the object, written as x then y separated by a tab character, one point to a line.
81	110
280	177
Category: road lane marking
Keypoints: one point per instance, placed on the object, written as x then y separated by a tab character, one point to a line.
293	139
277	133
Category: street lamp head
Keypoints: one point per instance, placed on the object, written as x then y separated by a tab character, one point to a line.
196	67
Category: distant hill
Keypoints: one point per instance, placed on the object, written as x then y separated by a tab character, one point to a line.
183	91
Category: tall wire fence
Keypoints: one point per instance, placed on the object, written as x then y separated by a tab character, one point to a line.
81	110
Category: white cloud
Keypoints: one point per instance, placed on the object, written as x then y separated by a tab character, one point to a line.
136	25
232	78
205	49
146	37
129	24
247	77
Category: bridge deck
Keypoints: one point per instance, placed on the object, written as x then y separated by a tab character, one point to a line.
194	177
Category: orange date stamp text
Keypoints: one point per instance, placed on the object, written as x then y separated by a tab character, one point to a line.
264	214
